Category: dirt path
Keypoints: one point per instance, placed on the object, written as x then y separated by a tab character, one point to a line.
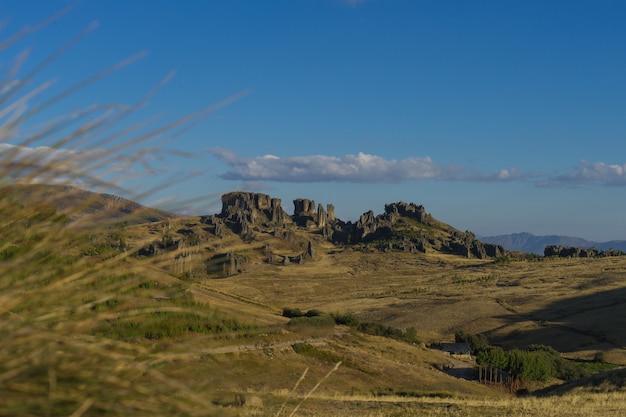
286	344
461	369
458	367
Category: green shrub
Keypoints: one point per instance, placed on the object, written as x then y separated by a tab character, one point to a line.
323	320
477	342
9	252
292	312
314	313
377	329
347	319
160	325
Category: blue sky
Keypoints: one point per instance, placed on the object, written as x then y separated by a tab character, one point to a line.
497	116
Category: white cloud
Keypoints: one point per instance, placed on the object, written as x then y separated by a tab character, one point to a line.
589	173
359	168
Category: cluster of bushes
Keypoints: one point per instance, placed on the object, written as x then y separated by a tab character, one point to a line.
156	318
158	325
318	318
103	245
535	363
165	325
476	342
377	329
524	365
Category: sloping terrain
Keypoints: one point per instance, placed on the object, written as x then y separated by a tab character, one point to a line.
193	310
84	208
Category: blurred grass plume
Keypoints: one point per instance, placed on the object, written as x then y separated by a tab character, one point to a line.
53	359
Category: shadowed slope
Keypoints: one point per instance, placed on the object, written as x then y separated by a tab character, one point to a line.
84	208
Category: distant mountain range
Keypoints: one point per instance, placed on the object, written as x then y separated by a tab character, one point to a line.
527	242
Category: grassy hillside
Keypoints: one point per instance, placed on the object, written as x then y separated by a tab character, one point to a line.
574	305
95	326
83	208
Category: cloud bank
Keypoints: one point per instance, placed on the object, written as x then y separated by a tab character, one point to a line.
365	168
589	173
359	168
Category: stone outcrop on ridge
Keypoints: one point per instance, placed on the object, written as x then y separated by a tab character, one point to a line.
244	210
393	231
578	252
403	226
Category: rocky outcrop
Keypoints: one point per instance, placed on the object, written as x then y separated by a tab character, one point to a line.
219	228
330	213
243	211
274	258
409	210
303	207
402	226
227	264
214	224
305	214
321	216
466	244
370	227
367	224
407	227
577	252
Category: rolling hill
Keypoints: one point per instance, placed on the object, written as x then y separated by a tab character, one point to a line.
527	242
256	312
82	207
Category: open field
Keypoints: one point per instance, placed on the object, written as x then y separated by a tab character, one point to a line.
102	330
576	306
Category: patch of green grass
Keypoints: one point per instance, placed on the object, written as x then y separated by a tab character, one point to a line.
10	251
589	368
320	321
160	325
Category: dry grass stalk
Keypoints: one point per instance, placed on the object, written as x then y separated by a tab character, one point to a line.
51	362
293	390
297	407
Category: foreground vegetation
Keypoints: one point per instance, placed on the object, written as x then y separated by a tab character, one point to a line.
91	334
92	323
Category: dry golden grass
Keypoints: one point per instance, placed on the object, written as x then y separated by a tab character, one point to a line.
515	303
579	405
53	360
60	287
574	305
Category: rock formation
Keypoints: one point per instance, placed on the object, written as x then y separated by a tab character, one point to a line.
367	224
466	244
243	210
577	252
410	210
330	212
303	207
321	217
305	214
403	226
